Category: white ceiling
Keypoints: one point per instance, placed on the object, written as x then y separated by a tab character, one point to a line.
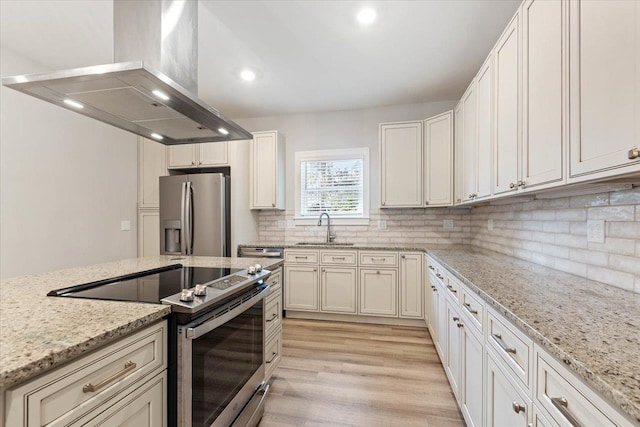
310	56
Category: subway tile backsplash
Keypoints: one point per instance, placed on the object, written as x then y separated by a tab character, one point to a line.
551	232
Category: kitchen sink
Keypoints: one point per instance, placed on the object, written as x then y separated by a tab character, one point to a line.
323	244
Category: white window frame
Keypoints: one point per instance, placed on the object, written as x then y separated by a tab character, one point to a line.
335	154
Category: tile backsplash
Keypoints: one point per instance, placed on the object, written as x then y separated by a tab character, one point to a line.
551	232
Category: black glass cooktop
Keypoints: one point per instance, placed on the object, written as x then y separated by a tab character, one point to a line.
147	286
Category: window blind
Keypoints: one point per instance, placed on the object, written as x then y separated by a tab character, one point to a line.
333	186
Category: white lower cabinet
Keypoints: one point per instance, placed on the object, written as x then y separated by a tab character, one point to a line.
471	375
432	321
507	405
411	287
452	358
148	233
301	289
338	289
123	383
378	292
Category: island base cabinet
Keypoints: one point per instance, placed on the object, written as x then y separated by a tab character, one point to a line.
378	292
338	289
471	372
301	290
506	405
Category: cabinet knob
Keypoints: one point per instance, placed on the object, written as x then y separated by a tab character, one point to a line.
315	269
199	163
402	256
455	318
193	163
324	270
378	272
273	205
383	203
460	325
521	183
517	408
512	185
634	153
426	203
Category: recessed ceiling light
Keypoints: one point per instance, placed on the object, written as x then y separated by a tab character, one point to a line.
247	75
160	95
366	16
74	104
223	131
157	136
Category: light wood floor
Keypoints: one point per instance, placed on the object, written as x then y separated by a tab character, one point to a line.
346	374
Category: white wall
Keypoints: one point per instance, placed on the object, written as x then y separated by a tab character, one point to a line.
340	129
66	182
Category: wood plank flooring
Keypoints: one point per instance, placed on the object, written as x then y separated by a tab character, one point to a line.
346	374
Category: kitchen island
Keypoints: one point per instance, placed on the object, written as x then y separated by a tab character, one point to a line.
38	332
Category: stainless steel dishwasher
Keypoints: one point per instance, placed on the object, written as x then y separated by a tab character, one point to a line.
265	252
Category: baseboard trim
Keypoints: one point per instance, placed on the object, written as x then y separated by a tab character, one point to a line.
353	318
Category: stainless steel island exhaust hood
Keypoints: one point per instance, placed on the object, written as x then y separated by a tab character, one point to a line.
151	88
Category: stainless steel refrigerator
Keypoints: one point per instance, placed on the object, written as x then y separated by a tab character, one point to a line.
195	215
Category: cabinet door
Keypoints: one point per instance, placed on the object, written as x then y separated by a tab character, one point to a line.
442	323
151	166
469	143
433	311
263	170
338	290
438	160
604	83
378	292
301	288
484	98
411	286
401	164
506	405
507	117
452	359
471	373
181	156
213	154
458	126
543	91
148	233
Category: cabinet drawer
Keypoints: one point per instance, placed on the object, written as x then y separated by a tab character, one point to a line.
301	257
379	259
513	347
275	281
273	312
272	353
564	402
453	288
143	407
338	257
472	306
63	394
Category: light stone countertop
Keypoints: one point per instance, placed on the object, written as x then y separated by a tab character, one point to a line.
38	332
592	327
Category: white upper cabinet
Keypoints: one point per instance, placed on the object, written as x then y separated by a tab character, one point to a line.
458	158
401	164
151	166
543	91
469	147
267	156
197	155
484	105
507	108
438	160
604	78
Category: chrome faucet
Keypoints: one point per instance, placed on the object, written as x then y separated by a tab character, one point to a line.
330	237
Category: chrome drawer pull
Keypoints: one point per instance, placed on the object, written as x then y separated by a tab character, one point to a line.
517	408
431	267
273	357
378	259
439	276
90	388
562	405
451	289
339	257
498	338
273	317
301	257
275	283
468	307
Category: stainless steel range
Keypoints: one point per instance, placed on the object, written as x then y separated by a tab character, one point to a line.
216	360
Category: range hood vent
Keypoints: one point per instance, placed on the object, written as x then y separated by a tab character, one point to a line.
157	42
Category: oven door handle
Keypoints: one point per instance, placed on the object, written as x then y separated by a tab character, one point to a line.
193	332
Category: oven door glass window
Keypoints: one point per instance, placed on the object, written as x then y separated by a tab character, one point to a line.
223	360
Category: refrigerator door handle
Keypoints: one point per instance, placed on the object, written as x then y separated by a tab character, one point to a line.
183	225
190	217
